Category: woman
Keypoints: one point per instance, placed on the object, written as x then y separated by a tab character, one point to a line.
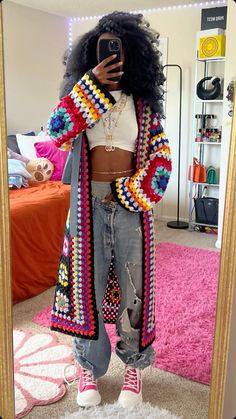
124	169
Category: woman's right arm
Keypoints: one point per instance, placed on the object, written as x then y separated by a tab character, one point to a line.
82	107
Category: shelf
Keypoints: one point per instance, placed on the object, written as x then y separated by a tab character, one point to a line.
199	141
205	184
207	143
211	59
210	101
202	224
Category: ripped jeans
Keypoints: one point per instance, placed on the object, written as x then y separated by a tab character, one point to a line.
117	232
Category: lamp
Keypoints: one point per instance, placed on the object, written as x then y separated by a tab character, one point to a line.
178	224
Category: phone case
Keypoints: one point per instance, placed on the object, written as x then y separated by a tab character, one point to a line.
105	50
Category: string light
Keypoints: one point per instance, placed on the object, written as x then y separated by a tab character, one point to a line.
144	11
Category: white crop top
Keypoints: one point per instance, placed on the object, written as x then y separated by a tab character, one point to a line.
124	134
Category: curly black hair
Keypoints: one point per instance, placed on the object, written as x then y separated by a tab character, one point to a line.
143	73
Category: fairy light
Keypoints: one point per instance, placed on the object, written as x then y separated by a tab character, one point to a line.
70	33
144	11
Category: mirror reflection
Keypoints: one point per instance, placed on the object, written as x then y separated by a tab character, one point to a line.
116	200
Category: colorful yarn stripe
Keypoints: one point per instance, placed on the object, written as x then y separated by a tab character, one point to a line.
147	335
147	186
74	311
75	112
81	318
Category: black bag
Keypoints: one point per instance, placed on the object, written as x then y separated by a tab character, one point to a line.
206	210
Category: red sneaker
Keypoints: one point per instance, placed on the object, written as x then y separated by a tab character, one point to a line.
88	394
131	392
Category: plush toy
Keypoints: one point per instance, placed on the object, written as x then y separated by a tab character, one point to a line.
40	168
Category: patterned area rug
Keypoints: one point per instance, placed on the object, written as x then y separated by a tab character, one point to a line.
39	362
143	411
186	293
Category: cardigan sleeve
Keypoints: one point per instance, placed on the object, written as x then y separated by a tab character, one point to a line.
147	186
80	109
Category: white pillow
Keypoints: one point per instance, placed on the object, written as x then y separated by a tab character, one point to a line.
26	144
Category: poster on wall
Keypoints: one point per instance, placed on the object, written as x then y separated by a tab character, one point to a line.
215	17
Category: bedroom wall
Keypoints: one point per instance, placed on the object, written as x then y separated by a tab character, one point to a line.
180	27
34	70
34	43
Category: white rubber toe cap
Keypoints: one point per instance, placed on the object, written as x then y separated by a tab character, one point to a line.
128	399
88	398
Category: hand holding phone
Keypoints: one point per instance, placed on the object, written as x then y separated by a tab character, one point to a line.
102	70
107	47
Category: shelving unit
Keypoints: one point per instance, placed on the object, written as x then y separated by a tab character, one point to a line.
203	149
210	101
206	184
207	143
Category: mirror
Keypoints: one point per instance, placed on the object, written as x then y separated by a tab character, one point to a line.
33	71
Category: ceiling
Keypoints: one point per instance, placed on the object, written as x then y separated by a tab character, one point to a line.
71	8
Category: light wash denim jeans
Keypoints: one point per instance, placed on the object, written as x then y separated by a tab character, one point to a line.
117	232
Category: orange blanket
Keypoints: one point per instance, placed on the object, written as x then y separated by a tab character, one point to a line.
37	218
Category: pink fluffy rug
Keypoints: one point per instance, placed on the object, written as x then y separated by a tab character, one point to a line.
186	293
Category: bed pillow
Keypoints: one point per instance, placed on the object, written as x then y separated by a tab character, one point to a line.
58	157
12	143
12	155
26	144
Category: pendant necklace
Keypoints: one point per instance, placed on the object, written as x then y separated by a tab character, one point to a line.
110	121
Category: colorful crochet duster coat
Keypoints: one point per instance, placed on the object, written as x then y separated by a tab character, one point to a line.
74	310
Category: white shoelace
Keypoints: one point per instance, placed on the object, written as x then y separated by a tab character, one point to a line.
88	377
131	378
64	374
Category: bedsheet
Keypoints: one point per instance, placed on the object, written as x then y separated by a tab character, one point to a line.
37	222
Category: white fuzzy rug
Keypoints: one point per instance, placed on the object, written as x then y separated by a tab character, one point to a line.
115	411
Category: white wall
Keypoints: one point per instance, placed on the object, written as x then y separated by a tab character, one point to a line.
180	26
34	43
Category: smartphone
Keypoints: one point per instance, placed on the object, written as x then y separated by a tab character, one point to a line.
108	47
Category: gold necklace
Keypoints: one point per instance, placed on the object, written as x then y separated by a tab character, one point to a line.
110	122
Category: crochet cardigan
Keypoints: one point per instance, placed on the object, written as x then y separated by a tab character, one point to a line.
74	310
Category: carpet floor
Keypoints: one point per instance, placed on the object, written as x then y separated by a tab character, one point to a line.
162	389
107	411
186	290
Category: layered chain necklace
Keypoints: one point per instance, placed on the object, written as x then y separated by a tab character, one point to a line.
110	121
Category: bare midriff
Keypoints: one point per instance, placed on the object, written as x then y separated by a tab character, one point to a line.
115	164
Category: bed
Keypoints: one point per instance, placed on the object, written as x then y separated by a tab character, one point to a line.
37	221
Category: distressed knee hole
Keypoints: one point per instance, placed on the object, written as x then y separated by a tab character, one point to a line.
130	321
134	271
